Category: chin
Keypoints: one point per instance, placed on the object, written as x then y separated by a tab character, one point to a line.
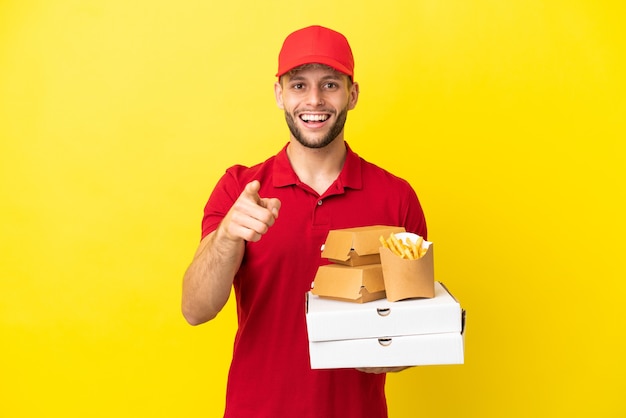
315	144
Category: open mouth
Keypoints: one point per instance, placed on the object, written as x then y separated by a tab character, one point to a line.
314	117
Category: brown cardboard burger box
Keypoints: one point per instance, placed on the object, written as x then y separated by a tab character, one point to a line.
355	273
406	279
385	334
356	246
351	284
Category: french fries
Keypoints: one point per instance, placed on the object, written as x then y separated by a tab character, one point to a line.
404	248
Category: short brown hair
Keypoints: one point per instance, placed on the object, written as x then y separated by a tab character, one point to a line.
313	66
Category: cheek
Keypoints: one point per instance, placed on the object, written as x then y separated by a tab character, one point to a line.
288	105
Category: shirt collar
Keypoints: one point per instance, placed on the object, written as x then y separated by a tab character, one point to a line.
350	175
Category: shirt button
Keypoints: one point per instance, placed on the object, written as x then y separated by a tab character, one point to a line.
319	202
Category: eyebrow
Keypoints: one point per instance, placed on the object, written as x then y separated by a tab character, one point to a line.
333	77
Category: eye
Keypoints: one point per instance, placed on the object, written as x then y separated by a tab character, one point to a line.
330	85
297	86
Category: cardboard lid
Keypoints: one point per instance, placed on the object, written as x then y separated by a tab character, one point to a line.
363	240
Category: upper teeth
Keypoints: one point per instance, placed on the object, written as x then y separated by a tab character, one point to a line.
314	118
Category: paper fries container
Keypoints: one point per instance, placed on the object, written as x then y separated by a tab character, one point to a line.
350	284
405	279
356	246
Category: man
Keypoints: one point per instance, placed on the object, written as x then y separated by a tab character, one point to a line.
262	231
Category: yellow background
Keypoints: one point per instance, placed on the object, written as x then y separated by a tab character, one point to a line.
118	117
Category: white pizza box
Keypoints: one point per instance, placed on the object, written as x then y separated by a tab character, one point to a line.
408	350
329	320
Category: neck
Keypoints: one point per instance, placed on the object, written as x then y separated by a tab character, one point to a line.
317	167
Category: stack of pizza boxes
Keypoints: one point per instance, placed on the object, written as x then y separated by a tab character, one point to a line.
372	308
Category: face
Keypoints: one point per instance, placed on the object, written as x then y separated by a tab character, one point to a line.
316	101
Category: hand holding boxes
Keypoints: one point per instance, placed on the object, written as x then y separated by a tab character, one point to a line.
419	323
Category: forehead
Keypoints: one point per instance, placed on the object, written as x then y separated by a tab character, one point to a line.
314	70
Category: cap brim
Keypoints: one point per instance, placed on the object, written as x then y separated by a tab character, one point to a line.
314	59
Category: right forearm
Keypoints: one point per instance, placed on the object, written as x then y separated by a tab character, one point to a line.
208	280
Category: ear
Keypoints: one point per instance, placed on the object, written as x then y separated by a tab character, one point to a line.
278	93
354	96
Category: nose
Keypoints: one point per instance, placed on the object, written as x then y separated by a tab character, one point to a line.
315	97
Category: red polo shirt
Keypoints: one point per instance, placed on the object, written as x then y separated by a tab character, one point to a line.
270	375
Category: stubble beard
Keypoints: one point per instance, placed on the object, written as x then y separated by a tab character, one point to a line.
333	133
